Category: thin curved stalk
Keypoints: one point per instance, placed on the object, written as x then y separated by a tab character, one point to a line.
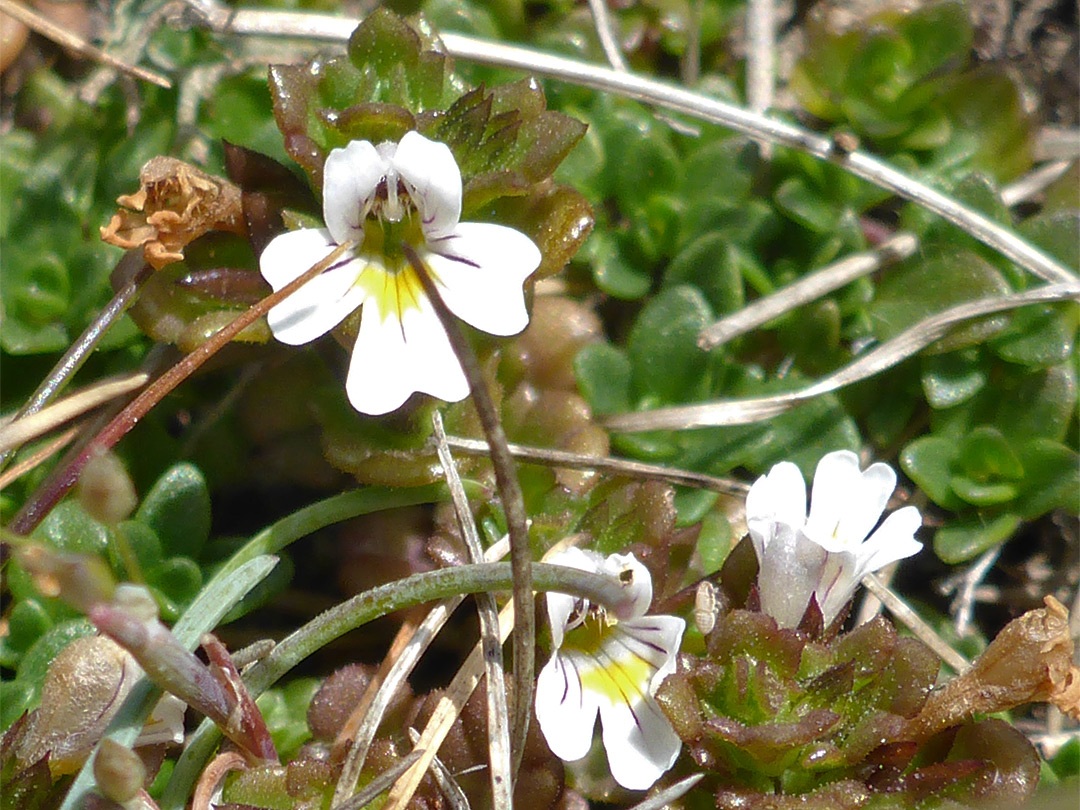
513	504
757	126
368	606
888	354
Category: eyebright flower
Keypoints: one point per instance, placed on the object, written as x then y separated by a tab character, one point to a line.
611	664
383	198
826	554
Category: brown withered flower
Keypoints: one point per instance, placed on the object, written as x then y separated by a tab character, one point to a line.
1029	661
175	205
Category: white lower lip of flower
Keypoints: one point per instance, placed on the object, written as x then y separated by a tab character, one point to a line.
611	668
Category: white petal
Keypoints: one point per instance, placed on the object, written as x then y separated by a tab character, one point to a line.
479	270
839	580
656	639
393	358
775	499
788	573
636	581
291	254
894	540
318	306
640	742
350	177
846	503
566	712
431	175
561	605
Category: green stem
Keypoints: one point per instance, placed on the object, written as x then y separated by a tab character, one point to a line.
370	605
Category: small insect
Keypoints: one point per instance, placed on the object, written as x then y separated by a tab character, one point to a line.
705	607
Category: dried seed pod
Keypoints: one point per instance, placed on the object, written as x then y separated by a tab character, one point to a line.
1029	660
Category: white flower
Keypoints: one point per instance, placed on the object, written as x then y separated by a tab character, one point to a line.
827	553
383	197
611	664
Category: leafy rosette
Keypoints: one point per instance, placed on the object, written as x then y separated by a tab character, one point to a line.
395	78
805	718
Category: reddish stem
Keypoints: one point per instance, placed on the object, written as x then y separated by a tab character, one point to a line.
35	510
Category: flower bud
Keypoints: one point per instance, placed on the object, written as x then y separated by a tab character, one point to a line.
105	490
118	771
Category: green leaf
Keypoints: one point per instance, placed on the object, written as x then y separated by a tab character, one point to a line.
928	461
16	697
177	509
970	537
985	454
613	273
714	541
1039	404
806	205
1038	336
27	622
662	345
929	284
69	528
1051	480
715	267
952	378
603	376
981	493
178	578
691	505
1056	232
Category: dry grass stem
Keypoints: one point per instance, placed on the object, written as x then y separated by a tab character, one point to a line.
1033	182
34	460
608	464
61	36
451	703
808	288
965	584
19	431
488	610
761	59
451	790
884	356
406	650
605	30
913	622
666	797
